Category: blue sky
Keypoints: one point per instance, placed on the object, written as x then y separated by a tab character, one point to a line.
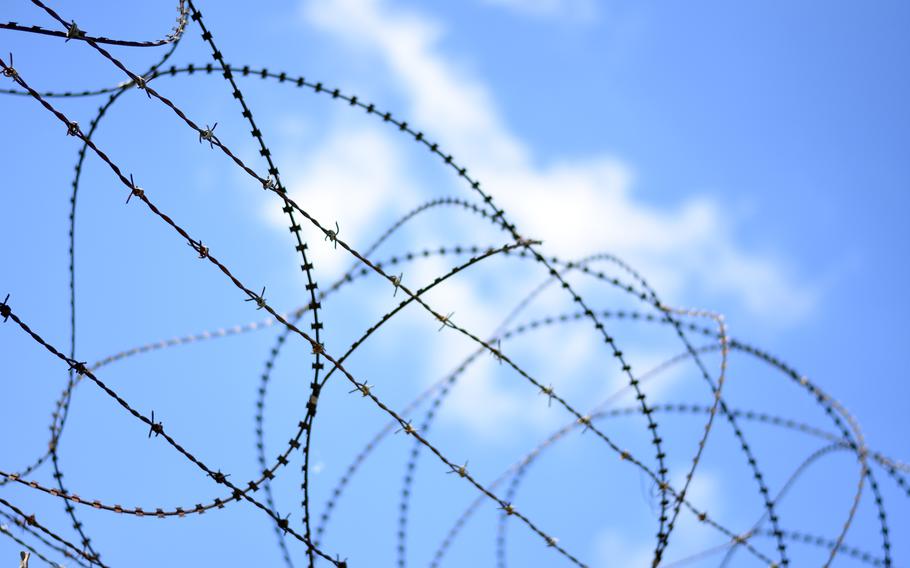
750	160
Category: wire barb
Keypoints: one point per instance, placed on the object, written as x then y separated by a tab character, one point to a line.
155	427
445	320
284	523
9	70
135	190
461	470
396	281
331	235
363	388
498	351
208	135
586	421
141	83
549	392
526	242
199	248
258	298
79	367
220	478
5	310
73	32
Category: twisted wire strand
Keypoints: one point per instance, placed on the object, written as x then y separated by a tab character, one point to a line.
823	400
74	33
282	77
32	522
519	466
662	539
672	499
267	183
141	196
306	266
23	526
62	408
5	530
521	329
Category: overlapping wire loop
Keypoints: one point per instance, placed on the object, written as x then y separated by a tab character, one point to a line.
674	496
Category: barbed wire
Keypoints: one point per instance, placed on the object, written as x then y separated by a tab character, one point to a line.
673	499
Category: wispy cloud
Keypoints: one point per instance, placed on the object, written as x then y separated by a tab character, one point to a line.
590	202
577	206
328	181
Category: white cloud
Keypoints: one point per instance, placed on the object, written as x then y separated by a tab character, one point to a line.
355	176
452	104
577	207
588	203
